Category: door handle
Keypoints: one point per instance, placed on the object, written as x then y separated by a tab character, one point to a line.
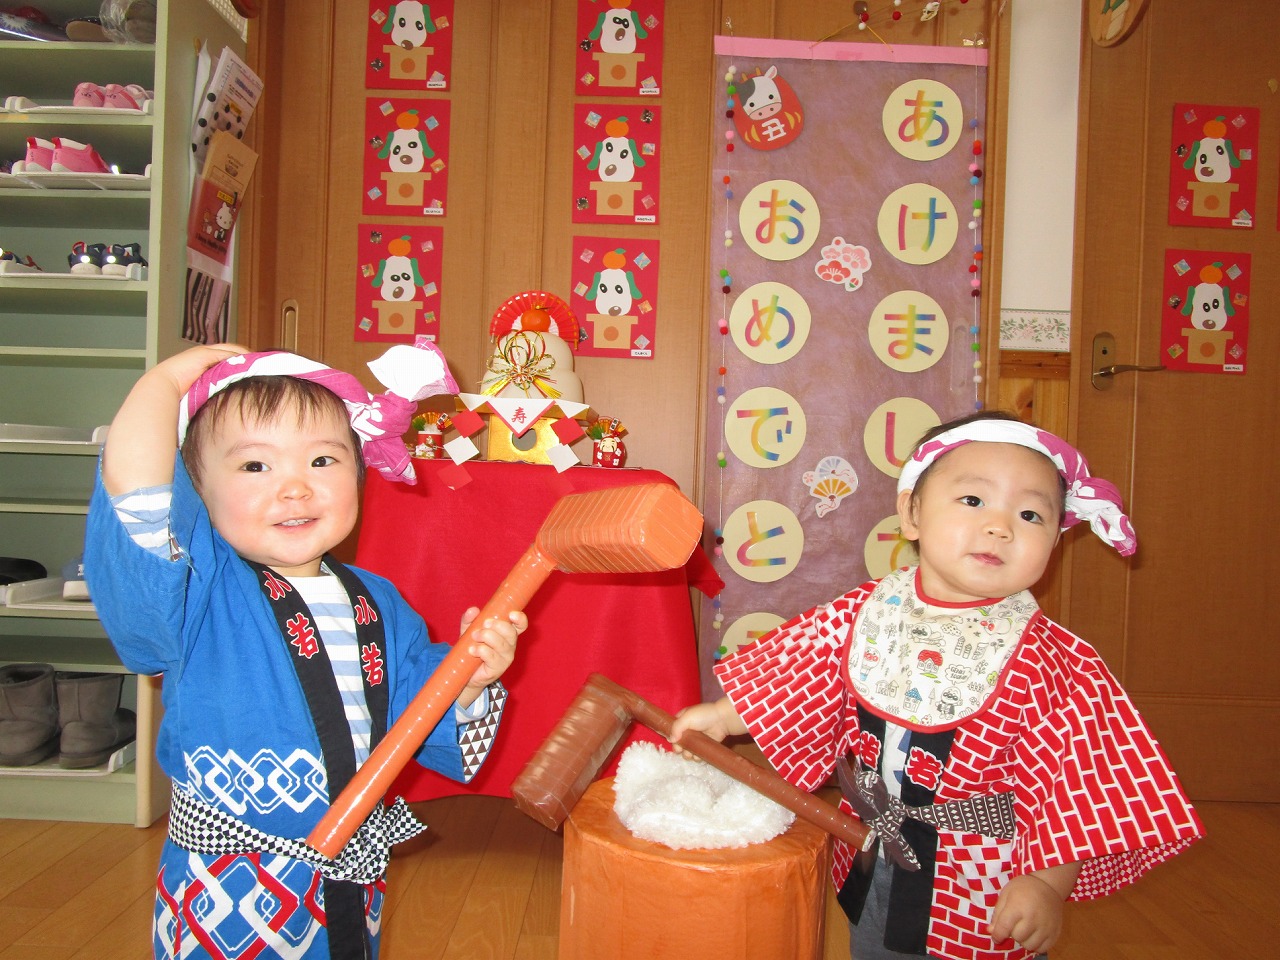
1103	373
289	325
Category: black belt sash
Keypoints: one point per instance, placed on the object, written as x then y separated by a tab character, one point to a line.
344	902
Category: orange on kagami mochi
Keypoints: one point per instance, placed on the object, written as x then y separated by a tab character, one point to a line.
534	335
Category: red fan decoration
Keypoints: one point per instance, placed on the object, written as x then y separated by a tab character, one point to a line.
539	311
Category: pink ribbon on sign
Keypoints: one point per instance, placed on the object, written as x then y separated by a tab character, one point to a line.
410	374
1088	498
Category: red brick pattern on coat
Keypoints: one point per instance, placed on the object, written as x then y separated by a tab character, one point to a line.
1090	783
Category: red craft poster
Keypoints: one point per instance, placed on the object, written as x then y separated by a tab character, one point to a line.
1213	168
1204	324
398	287
615	163
406	156
620	48
409	46
615	290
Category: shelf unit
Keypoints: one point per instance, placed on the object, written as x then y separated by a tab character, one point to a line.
71	347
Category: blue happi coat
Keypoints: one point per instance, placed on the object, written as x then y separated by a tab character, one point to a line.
238	732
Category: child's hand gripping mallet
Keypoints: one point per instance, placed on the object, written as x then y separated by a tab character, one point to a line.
636	529
553	781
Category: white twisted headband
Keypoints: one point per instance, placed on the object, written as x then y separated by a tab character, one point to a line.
1088	497
410	374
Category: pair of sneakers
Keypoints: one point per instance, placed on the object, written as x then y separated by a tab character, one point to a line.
11	257
99	259
61	155
113	96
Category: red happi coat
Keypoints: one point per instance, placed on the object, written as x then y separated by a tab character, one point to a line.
1089	781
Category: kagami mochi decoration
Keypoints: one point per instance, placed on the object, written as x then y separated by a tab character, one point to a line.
529	389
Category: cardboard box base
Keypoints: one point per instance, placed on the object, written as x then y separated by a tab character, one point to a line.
623	898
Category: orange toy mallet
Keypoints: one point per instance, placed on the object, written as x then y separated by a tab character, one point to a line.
636	529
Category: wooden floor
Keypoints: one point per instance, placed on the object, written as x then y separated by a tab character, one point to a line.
484	884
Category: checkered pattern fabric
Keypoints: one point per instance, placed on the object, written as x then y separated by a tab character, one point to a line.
200	828
1089	782
991	816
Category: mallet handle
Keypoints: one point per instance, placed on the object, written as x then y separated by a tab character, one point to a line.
392	754
817	811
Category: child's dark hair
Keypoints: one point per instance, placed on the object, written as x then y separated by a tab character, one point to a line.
960	422
259	399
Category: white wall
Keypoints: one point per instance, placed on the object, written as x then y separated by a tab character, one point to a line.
1040	173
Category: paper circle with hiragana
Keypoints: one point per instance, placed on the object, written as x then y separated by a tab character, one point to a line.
779	219
922	119
769	322
917	224
885	549
908	331
765	427
763	541
893	429
746	630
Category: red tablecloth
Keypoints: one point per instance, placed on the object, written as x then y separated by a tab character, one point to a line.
447	549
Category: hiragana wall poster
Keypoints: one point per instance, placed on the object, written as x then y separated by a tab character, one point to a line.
406	156
1204	325
619	48
615	296
409	45
398	287
616	163
1213	166
846	215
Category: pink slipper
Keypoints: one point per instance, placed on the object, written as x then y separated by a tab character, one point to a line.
39	155
72	157
88	95
129	97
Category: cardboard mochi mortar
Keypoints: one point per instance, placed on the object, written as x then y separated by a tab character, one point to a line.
635	529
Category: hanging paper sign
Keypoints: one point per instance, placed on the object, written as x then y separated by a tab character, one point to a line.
767	114
620	48
839	322
615	296
886	549
922	119
1213	169
398	287
917	223
892	430
770	322
908	331
765	427
763	541
779	219
616	163
406	156
1205	316
409	46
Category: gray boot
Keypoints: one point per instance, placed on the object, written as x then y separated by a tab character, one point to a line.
94	725
28	714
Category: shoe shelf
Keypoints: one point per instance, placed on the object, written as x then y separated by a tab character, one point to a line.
72	346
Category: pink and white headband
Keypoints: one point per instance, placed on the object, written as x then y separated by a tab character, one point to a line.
1088	497
410	374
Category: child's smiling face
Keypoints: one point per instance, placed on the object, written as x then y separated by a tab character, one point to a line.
283	490
986	521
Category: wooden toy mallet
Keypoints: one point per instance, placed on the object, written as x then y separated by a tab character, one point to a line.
571	757
635	529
